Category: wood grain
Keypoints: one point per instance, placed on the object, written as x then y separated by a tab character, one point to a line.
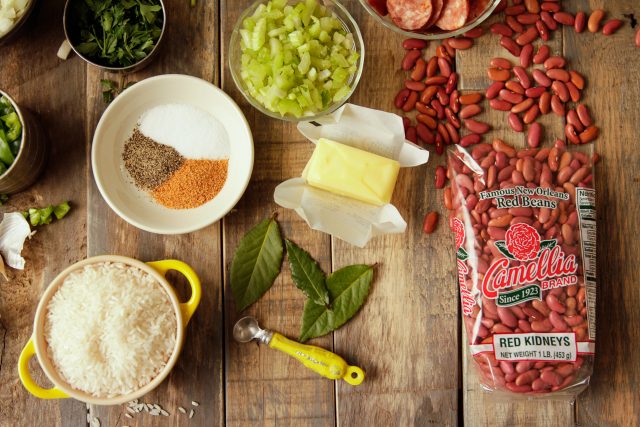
265	387
198	374
610	66
34	76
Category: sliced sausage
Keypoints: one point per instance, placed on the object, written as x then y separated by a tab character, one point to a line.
454	15
410	14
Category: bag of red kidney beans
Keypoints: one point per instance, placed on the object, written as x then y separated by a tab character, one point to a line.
525	237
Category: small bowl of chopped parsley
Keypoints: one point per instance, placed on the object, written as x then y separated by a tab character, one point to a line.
115	35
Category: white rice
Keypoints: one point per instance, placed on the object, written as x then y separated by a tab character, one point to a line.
110	329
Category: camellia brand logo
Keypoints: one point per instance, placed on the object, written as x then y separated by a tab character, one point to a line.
541	260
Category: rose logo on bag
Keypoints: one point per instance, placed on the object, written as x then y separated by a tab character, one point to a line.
523	241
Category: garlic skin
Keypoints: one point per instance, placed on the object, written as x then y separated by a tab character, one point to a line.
14	230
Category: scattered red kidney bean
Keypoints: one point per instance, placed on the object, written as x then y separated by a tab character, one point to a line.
441	176
515	122
534	135
460	43
419	70
414	44
580	22
401	98
492	91
430	222
564	18
474	33
476	126
584	115
542	54
411	134
410	59
611	26
469	111
593	24
500	105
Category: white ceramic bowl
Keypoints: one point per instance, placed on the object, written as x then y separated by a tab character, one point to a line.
120	118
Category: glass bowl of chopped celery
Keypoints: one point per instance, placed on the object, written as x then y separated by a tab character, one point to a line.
296	60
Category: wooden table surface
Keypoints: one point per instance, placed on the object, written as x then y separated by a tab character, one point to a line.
407	336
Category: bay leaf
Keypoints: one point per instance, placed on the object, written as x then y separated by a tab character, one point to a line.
348	290
306	274
256	263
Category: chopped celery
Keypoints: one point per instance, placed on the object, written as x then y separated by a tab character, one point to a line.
296	59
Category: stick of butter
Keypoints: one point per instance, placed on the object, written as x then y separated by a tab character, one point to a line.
351	172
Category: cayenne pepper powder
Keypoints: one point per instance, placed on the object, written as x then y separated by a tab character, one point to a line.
193	184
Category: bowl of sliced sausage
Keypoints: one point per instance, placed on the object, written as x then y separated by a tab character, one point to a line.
430	19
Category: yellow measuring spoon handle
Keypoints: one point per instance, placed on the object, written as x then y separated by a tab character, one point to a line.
322	361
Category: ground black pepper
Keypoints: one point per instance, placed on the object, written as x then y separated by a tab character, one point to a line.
149	163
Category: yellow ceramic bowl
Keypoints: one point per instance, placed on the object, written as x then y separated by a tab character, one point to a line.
37	344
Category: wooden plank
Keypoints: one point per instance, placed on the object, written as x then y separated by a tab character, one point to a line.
34	76
479	407
405	335
198	374
610	66
265	387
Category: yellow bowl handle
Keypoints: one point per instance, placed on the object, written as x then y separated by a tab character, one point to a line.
27	353
189	307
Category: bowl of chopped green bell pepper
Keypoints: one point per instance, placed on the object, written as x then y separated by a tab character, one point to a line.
23	147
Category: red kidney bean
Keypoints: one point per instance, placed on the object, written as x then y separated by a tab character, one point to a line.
500	105
474	33
514	10
438	107
406	122
452	118
541	78
513	23
545	102
580	22
432	66
532	6
522	75
577	79
498	74
428	94
611	26
476	126
589	134
492	91
419	70
436	80
410	59
559	74
527	18
453	133
550	6
501	63
511	97
594	20
470	98
451	83
574	120
515	122
535	92
514	86
470	139
430	222
401	97
542	54
411	134
510	45
444	134
531	114
583	114
469	111
444	66
427	120
564	18
415	86
637	40
422	108
441	177
557	106
543	30
425	134
574	92
529	35
526	55
560	89
501	29
410	103
551	23
454	101
534	135
414	44
460	43
522	106
555	62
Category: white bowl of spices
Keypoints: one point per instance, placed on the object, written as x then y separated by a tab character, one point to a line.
172	154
